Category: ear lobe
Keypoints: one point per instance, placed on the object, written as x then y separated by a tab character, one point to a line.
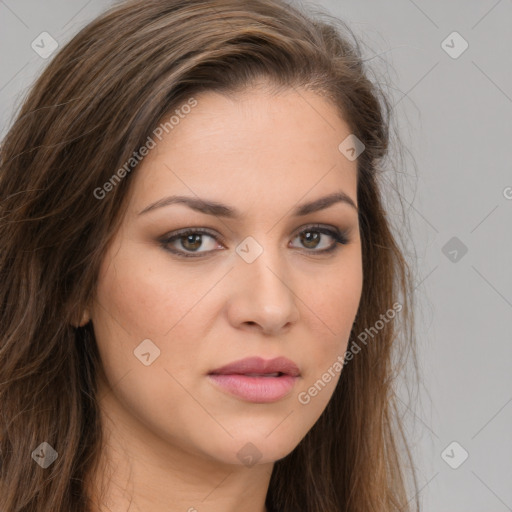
86	317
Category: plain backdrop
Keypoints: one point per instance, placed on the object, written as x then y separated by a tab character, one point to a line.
448	71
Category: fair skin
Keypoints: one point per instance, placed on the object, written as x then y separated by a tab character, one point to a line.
171	436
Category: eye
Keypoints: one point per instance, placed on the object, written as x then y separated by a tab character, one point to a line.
189	240
314	236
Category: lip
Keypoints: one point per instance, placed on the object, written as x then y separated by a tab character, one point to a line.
259	365
238	379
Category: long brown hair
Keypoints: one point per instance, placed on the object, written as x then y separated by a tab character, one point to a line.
96	103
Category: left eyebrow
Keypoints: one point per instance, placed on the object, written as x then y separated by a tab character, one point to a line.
324	202
222	210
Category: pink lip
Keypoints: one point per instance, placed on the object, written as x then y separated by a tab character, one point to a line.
234	379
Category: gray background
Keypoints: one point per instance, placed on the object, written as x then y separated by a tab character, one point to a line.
455	120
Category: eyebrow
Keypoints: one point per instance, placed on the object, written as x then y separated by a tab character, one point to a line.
222	210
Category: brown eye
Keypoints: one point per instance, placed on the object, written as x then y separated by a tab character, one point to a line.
313	237
189	241
310	239
200	242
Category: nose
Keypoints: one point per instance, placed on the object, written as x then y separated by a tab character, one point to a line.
263	296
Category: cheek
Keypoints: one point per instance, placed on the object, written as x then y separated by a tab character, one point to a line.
331	313
138	301
145	298
333	305
142	299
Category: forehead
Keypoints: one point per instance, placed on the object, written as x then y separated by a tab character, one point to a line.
253	146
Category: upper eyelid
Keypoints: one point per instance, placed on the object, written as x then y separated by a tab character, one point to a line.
214	234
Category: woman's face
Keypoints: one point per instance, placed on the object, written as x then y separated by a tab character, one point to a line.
259	282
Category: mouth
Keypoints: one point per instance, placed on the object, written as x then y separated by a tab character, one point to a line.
257	380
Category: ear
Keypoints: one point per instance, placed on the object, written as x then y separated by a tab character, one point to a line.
86	317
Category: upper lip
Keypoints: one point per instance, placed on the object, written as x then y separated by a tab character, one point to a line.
260	366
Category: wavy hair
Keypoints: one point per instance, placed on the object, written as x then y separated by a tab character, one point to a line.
97	101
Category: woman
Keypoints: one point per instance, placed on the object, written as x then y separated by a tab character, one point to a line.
193	241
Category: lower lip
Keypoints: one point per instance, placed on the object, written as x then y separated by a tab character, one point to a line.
256	389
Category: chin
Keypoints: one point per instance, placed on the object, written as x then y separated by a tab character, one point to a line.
256	446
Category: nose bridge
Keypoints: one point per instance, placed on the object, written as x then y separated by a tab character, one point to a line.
264	291
268	278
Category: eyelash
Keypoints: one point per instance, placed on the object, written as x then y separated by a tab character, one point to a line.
340	238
